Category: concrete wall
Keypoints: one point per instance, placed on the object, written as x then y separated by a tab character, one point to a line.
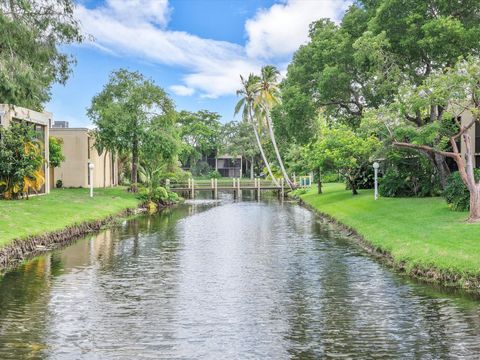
74	170
9	113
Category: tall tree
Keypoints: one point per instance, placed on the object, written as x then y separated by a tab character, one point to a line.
31	59
268	95
237	139
200	134
379	44
457	92
246	105
125	111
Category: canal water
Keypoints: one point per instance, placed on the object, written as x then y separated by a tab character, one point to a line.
226	280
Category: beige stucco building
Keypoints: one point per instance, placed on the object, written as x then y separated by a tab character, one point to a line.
40	122
79	151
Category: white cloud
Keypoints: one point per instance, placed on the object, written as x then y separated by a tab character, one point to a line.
137	11
139	28
182	90
282	28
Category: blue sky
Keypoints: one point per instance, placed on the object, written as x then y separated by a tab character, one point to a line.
194	49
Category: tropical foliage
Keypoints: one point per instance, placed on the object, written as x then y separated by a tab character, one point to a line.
55	155
21	161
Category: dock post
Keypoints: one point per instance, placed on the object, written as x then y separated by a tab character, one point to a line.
282	190
234	189
212	186
258	189
193	190
215	191
239	189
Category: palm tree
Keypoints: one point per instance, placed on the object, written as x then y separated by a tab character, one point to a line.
246	105
267	96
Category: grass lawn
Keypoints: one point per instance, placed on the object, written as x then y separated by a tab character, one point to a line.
59	209
420	231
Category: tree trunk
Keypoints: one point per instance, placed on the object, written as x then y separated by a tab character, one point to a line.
467	174
134	178
279	158
474	215
319	181
257	137
105	169
442	169
251	168
353	186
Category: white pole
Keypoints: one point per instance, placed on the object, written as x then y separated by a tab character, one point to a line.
193	189
91	167
282	183
258	189
238	188
376	165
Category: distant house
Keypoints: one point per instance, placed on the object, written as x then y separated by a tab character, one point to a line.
229	166
60	124
40	122
226	165
79	151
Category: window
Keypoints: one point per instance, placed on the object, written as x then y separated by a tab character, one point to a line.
477	137
88	149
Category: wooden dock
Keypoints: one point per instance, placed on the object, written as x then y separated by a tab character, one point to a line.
236	185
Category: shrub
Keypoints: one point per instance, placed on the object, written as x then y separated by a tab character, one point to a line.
21	161
408	174
173	197
201	168
330	176
214	174
456	193
159	194
299	192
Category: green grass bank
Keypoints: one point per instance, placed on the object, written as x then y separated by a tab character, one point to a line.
422	236
58	210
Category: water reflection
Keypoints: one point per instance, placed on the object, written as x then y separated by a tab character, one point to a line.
212	279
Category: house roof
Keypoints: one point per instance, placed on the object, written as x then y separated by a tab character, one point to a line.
17	112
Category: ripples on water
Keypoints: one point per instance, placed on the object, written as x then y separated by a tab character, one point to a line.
226	280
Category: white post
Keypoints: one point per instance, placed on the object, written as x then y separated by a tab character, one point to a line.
310	179
258	189
216	186
294	179
376	165
193	189
91	167
238	188
282	183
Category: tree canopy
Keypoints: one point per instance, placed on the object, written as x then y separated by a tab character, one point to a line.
31	59
129	111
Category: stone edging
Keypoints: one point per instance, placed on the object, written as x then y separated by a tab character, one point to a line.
466	282
24	248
